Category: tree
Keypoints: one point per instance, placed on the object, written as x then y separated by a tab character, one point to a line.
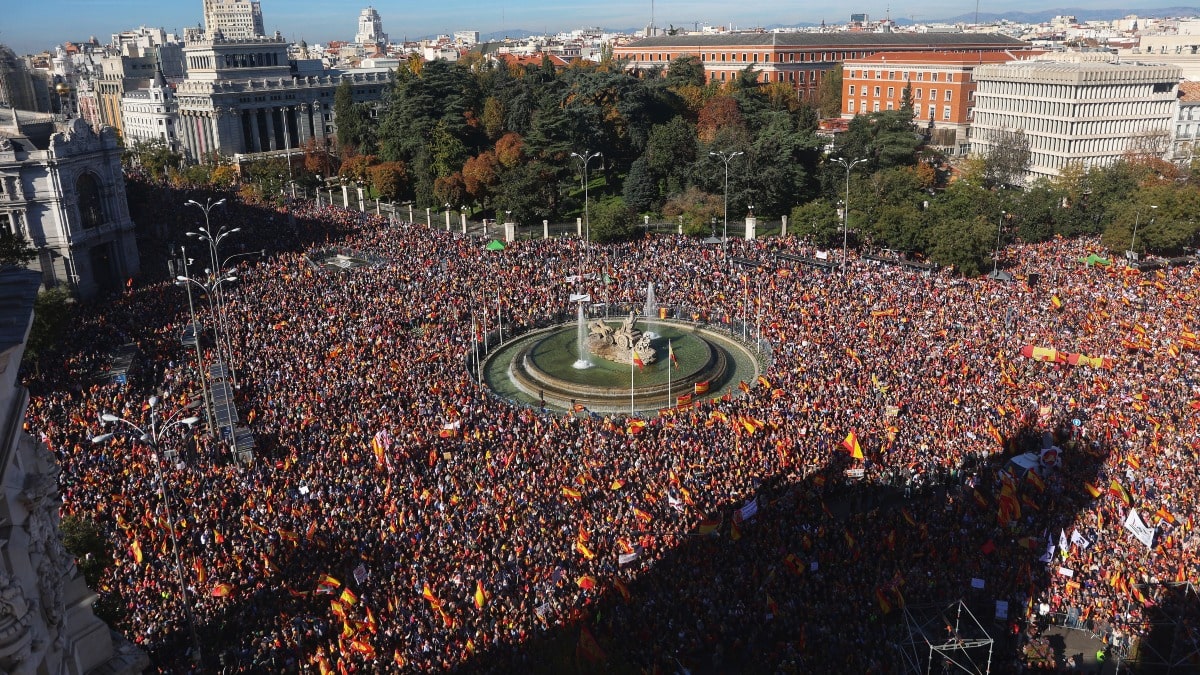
641	188
719	113
14	250
612	220
818	222
829	94
1007	159
685	70
154	157
510	149
670	153
354	126
51	311
963	243
390	180
698	209
479	177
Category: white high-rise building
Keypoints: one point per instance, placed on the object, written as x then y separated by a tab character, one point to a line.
1074	109
235	19
370	28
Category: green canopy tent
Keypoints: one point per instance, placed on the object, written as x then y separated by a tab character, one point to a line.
495	245
1094	259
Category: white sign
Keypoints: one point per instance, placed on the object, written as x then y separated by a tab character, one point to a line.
1066	572
748	510
581	297
1137	527
977	583
629	558
360	573
1079	540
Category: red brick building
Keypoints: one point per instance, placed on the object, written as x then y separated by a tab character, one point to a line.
800	59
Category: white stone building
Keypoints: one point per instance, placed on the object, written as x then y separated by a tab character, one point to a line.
1074	108
370	29
234	19
46	620
62	190
151	114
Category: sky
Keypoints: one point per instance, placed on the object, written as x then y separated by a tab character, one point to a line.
30	26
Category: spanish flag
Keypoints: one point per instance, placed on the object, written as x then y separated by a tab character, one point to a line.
135	549
851	445
427	593
637	360
571	493
583	550
586	582
348	597
480	596
671	354
710	525
642	515
1119	490
1092	490
222	590
743	386
1055	302
1165	515
701	388
624	590
1036	481
764	382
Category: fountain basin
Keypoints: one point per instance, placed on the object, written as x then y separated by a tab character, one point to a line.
539	367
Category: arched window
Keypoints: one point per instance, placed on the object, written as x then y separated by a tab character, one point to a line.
91	205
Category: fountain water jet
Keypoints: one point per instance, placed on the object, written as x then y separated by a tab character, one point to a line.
582	362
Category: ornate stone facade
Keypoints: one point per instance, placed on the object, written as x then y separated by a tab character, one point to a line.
46	620
63	191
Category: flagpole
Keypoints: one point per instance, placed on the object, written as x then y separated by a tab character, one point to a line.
670	352
632	365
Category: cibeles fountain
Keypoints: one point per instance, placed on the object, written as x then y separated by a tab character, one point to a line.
591	363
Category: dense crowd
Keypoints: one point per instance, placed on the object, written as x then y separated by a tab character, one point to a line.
399	517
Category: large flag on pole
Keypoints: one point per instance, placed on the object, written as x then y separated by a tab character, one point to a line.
851	445
637	360
671	354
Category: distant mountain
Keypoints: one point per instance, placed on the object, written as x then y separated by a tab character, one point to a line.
1080	14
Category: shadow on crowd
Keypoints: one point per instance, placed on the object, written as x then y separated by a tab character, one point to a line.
838	575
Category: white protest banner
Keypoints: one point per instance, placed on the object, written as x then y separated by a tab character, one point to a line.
629	558
1049	555
1079	540
1137	527
748	510
360	573
1066	572
580	297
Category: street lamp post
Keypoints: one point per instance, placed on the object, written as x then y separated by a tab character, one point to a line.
196	343
849	166
996	253
1137	216
446	209
585	158
214	239
153	440
725	157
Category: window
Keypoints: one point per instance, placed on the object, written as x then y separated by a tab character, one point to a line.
879	74
876	106
933	77
920	76
949	77
916	110
917	94
949	94
91	204
891	92
876	90
890	105
946	112
850	106
891	74
851	90
933	94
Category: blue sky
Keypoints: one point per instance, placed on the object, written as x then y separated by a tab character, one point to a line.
30	26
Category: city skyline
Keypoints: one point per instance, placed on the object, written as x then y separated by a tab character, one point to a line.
35	27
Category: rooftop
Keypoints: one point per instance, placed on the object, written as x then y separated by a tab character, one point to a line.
838	40
957	58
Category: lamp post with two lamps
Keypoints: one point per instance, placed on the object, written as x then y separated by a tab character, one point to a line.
726	157
849	166
153	438
996	252
1132	255
585	158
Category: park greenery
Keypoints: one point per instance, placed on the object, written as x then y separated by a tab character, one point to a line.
506	138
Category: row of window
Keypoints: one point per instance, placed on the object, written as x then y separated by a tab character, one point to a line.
1039	125
917	93
1070	92
1071	109
891	105
891	75
748	57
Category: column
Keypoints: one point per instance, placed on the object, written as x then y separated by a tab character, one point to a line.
318	122
751	227
271	143
256	145
303	124
783	230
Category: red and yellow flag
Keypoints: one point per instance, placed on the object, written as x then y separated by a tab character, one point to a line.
851	445
637	360
671	354
1092	490
572	494
135	549
480	596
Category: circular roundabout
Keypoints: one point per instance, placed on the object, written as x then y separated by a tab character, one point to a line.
546	367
